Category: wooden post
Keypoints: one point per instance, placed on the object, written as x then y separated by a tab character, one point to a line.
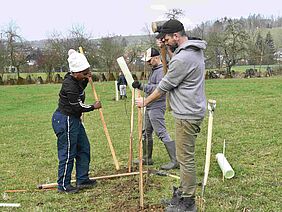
140	156
163	54
131	131
103	121
52	185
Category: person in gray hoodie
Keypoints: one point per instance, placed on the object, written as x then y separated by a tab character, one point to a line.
155	113
185	82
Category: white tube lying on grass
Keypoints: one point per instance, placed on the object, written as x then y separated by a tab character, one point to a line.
225	167
10	204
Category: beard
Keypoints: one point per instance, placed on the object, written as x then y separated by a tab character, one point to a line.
173	46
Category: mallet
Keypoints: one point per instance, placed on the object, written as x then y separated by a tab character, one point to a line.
156	26
163	173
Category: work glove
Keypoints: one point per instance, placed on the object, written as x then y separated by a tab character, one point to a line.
97	105
136	84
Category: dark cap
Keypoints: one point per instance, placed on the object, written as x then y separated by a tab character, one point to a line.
171	26
151	52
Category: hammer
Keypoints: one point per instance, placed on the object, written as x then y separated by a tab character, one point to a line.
156	27
163	173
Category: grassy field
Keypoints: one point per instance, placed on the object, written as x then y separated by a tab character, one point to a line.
248	117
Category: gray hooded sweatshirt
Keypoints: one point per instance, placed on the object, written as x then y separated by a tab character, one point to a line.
185	81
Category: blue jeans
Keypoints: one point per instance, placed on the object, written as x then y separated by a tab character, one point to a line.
72	144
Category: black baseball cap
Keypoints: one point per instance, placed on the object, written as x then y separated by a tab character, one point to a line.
171	26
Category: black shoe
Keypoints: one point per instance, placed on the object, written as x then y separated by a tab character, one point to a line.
68	189
176	196
87	184
186	204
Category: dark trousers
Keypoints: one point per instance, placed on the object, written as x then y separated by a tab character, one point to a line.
155	122
72	144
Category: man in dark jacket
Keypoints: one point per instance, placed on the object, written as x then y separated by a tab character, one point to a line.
122	83
155	112
73	143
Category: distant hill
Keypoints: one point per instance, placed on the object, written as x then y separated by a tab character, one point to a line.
135	39
38	43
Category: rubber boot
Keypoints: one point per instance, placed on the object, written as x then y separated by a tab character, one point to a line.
173	164
147	153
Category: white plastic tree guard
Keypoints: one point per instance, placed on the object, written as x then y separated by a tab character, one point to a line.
225	167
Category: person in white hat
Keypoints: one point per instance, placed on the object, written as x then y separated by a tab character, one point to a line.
72	141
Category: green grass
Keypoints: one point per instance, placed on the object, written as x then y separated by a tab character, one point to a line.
248	117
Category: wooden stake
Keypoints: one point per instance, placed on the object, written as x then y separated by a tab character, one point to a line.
140	156
103	121
131	131
223	152
163	54
52	185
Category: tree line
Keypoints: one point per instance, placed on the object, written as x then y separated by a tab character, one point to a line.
230	42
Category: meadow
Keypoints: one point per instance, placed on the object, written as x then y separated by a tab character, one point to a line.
248	116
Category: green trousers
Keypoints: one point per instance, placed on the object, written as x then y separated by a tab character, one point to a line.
186	132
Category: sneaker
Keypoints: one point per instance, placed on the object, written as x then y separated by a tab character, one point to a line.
68	189
186	204
87	184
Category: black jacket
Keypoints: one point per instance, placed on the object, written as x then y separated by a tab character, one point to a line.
122	80
72	96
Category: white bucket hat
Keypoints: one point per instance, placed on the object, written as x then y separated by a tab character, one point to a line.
77	61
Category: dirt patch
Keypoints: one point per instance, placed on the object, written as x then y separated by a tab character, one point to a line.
126	193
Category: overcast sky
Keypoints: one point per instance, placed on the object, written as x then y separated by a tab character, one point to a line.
38	19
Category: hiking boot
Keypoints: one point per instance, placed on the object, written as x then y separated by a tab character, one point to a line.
186	204
176	195
87	184
68	189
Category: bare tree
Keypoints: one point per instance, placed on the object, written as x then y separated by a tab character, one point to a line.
174	13
78	37
228	42
3	60
109	50
17	49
